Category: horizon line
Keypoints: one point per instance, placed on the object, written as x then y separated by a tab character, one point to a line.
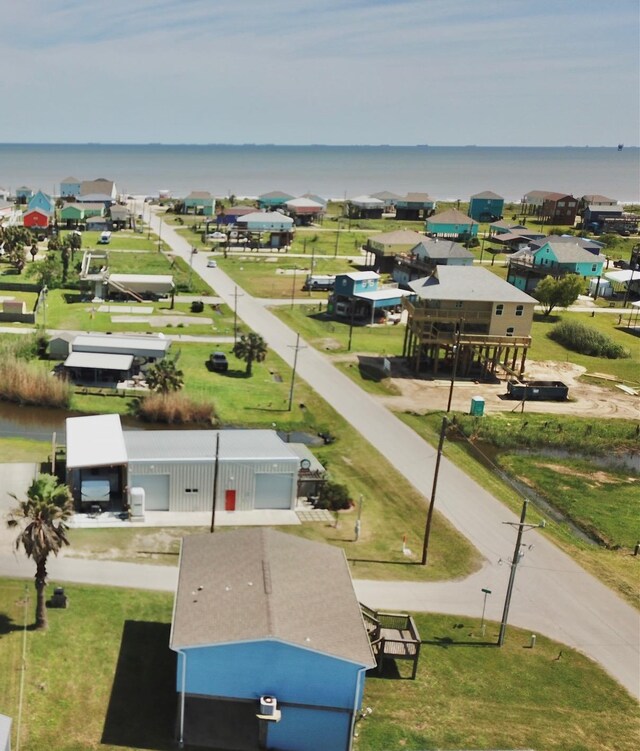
319	145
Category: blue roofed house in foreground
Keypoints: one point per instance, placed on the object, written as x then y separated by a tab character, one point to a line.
271	642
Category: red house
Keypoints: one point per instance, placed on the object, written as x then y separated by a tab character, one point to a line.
36	219
559	208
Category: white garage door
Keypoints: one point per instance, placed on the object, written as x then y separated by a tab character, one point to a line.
273	491
156	490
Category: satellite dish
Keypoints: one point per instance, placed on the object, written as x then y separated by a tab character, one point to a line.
305	464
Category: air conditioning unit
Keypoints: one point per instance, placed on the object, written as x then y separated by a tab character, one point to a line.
268	706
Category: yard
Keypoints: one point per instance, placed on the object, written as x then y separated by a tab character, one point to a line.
102	677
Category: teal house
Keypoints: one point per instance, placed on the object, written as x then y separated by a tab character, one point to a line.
415	206
199	202
527	267
271	643
274	199
452	224
23	194
486	206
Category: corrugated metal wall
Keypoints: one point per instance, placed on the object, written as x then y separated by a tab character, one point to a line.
191	483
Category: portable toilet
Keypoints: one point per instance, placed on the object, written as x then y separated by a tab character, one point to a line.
477	406
136	504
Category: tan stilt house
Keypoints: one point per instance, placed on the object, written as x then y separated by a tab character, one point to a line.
470	308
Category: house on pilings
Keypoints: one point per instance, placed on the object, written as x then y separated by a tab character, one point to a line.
469	308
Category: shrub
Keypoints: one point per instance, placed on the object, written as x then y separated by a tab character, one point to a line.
587	341
25	383
174	409
197	306
334	496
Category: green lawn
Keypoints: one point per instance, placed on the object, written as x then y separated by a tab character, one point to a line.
470	694
24	450
120	240
103	677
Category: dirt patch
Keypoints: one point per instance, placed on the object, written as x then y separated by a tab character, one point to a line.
329	344
585	399
596	478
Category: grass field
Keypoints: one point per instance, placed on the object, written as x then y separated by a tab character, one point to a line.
24	450
120	240
103	677
617	568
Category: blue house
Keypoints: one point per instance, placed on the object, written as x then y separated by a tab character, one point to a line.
357	297
527	267
452	224
23	194
42	202
271	642
422	259
486	206
70	187
415	206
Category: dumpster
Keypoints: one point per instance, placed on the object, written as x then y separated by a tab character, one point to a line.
477	406
548	391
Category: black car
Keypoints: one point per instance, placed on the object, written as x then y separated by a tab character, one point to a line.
218	362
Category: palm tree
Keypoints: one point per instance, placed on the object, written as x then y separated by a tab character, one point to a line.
42	517
251	347
164	376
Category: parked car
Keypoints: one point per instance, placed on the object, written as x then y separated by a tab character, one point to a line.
105	238
216	236
218	362
212	263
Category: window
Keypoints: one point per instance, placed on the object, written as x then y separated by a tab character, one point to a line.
459	304
519	310
510	331
499	309
560	203
594	267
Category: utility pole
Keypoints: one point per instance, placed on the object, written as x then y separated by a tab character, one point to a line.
215	484
456	357
517	555
335	252
358	526
293	287
236	295
293	372
432	502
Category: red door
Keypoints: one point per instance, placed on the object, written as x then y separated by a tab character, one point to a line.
229	500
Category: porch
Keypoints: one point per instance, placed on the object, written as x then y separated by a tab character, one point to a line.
393	636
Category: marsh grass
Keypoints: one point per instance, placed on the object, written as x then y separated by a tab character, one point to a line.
27	383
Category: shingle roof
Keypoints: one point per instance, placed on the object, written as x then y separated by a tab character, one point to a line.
276	194
556	196
488	194
467	283
101	185
451	216
583	242
366	201
570	253
255	584
417	198
385	195
399	237
69	180
597	198
432	248
200	194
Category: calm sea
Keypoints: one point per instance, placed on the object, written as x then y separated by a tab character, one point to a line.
330	171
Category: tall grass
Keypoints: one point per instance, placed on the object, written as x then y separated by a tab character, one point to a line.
27	383
175	409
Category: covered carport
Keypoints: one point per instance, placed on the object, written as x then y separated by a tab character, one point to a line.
382	302
96	454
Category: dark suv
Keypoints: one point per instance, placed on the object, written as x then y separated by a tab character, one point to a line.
218	362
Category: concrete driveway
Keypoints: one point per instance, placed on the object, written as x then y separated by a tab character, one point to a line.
14	478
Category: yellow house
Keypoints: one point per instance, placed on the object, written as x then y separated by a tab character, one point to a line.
470	308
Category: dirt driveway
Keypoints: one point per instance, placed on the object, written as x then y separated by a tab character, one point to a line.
585	399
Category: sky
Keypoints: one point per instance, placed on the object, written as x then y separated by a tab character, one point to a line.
399	72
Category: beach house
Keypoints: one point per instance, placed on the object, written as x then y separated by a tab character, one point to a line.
468	316
358	297
36	219
486	206
100	190
381	249
199	202
532	202
451	224
527	267
70	187
422	259
73	214
364	207
559	208
415	206
23	194
271	644
388	198
304	211
42	201
273	200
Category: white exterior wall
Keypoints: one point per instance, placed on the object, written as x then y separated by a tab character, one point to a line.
198	476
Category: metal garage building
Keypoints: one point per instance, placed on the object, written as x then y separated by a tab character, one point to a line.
177	468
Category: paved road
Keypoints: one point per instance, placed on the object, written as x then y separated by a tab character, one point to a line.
552	594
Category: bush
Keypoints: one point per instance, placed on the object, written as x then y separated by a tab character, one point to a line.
334	496
197	306
587	341
174	409
25	383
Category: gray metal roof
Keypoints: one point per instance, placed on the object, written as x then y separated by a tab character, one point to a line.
488	194
451	216
398	237
200	445
472	283
254	584
98	361
150	346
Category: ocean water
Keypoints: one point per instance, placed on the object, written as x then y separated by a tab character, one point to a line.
445	172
